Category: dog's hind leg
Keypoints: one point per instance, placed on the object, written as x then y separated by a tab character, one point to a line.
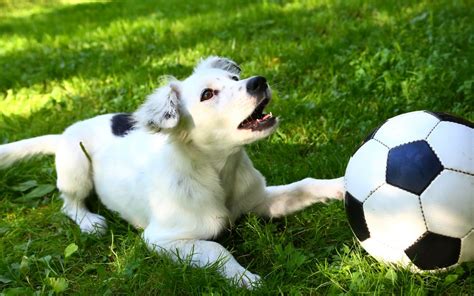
202	253
75	184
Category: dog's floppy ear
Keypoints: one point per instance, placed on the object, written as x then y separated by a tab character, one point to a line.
161	109
219	63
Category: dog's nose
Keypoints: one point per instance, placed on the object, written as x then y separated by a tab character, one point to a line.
257	84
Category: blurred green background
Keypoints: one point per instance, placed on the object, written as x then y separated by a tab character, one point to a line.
338	69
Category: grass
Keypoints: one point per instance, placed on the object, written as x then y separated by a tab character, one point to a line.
338	68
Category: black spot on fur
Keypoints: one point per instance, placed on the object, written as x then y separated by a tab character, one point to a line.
122	124
169	115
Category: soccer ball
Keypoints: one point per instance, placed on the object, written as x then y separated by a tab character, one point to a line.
410	191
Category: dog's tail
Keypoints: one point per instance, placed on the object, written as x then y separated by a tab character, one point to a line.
12	152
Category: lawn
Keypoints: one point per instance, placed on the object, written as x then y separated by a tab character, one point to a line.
338	69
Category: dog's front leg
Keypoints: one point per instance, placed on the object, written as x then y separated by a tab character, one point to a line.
202	253
286	199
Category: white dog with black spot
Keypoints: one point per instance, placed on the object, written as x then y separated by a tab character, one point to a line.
177	167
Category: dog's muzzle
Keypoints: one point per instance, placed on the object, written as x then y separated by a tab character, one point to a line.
258	121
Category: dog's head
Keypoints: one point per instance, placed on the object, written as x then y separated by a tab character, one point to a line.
212	108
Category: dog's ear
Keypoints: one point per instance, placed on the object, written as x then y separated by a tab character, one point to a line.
161	109
219	63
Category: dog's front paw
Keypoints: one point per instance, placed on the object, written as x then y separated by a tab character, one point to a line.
93	224
325	189
248	280
339	188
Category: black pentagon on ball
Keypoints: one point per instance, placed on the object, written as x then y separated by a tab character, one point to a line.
433	251
451	118
412	166
355	215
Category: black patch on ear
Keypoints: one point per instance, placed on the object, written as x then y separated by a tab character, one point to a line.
122	124
234	68
227	65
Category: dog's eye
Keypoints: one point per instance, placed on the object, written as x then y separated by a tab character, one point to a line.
207	94
235	78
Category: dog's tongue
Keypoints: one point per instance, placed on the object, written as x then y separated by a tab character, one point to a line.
258	120
264	117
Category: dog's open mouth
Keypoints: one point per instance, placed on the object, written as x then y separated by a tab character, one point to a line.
258	121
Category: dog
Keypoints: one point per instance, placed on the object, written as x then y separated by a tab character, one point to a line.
177	167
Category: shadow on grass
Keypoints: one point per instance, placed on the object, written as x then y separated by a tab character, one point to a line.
180	26
69	19
51	59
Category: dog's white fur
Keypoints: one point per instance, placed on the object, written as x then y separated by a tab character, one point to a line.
181	174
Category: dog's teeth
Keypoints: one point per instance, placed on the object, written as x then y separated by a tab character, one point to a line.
267	116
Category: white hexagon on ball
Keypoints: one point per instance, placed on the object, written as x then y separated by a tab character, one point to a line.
448	204
467	247
405	128
366	170
394	217
454	145
384	252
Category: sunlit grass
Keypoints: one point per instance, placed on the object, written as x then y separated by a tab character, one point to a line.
25	8
338	69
